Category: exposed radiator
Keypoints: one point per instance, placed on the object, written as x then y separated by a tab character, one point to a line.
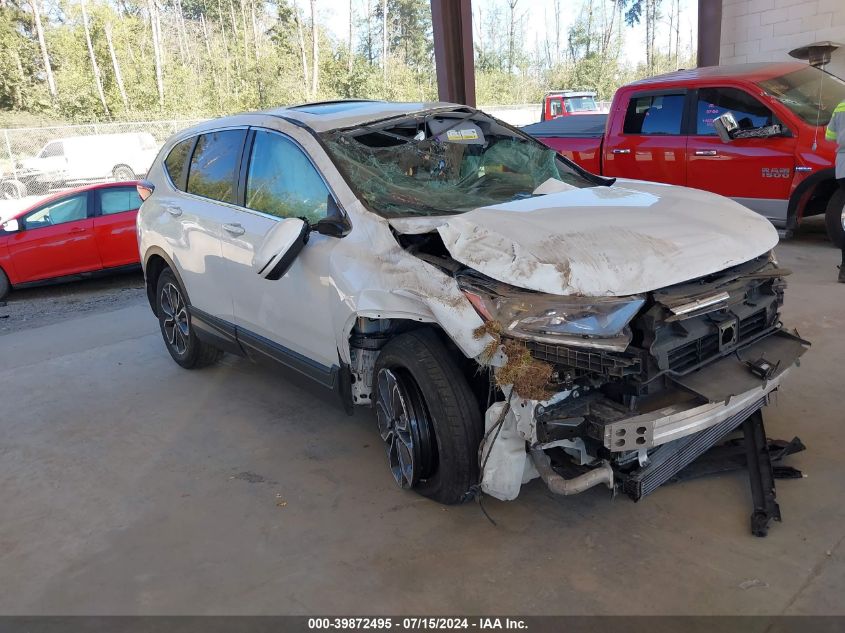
671	458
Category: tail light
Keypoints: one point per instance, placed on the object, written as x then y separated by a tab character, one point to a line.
145	189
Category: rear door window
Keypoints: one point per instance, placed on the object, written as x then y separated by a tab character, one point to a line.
655	114
119	200
714	102
176	161
214	165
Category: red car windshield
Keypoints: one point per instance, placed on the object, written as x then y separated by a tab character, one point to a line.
810	93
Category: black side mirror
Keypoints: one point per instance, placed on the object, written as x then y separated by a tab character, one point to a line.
335	224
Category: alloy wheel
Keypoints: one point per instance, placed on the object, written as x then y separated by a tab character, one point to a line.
174	318
405	427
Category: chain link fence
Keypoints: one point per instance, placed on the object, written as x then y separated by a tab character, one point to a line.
40	160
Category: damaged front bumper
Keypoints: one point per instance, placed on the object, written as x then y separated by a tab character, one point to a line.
607	445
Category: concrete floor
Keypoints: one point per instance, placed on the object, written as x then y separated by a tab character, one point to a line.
131	486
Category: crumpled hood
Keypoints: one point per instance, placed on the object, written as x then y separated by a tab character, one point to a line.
625	239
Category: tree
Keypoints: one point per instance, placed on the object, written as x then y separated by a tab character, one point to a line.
384	37
118	76
45	56
633	15
315	55
98	80
155	28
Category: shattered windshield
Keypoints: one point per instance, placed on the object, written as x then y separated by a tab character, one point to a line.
810	93
446	162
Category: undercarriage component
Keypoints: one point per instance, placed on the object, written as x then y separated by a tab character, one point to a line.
559	485
760	475
730	456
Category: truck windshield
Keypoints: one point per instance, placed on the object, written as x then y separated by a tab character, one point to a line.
581	104
810	93
445	162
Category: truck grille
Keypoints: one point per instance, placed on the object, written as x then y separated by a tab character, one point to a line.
702	349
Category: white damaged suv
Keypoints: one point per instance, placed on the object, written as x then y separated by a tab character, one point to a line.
507	314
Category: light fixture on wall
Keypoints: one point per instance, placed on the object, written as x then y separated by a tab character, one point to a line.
817	54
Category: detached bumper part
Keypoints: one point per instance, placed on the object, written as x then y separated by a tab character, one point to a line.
711	402
729	387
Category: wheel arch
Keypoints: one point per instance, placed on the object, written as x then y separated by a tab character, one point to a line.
812	193
385	328
155	262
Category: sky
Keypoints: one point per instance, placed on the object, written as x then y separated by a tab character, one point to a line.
335	15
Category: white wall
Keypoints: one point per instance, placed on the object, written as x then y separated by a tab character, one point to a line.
766	30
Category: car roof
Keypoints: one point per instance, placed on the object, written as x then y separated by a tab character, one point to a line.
324	116
69	192
748	72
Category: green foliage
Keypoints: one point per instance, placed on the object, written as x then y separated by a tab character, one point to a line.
222	56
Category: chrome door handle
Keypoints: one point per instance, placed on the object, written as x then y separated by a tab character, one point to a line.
706	152
621	151
234	229
174	210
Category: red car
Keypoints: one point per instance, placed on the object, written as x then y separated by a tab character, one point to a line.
72	234
662	129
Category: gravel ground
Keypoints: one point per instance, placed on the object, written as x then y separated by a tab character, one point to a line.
35	307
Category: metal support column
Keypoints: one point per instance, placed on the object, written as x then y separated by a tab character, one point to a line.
453	51
709	32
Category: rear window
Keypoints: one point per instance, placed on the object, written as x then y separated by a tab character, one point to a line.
119	200
655	114
175	162
215	163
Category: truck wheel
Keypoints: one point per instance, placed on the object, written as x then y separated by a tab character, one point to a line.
175	323
12	190
123	172
428	417
5	286
833	218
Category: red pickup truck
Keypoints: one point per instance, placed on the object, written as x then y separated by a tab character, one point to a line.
777	162
558	103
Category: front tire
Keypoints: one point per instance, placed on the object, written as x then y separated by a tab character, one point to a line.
5	286
175	323
833	218
428	417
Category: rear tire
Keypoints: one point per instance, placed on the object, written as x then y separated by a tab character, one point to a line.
833	218
175	323
5	286
442	443
123	172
